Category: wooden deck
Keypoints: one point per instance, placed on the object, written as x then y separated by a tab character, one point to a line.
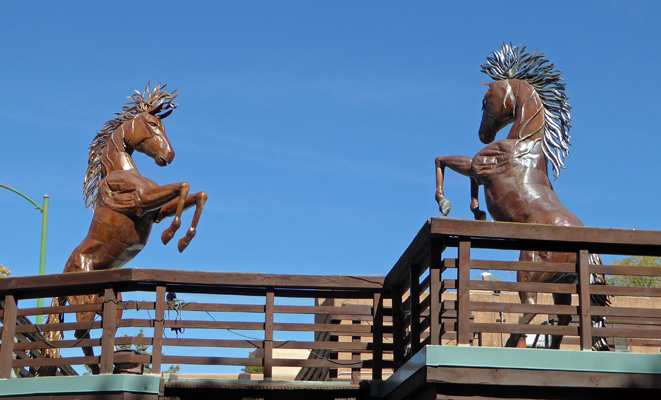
356	330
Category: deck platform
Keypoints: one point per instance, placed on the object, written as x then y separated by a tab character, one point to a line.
449	372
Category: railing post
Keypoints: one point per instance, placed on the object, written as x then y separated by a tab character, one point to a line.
397	326
463	292
355	357
584	316
415	308
377	337
435	293
157	340
8	332
109	324
267	360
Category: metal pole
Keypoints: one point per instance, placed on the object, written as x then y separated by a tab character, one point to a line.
42	252
44	228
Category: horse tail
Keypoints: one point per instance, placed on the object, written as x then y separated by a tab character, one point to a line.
602	300
49	337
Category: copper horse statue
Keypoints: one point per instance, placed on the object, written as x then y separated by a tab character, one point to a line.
528	94
126	204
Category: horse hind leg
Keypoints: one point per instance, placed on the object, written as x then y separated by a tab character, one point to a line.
86	317
200	200
518	339
563	320
172	208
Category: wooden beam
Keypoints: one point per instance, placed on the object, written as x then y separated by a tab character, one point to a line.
584	316
463	292
109	330
377	337
268	334
159	318
8	332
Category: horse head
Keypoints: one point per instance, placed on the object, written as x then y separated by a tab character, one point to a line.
497	109
148	137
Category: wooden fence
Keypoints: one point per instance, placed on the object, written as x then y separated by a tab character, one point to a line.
178	330
364	326
435	299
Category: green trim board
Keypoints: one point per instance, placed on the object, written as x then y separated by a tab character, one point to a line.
265	382
80	384
526	359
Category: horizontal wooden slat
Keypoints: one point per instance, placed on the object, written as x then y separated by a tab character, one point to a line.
60	309
625	270
62	344
568	235
50	362
513	265
58	327
625	291
626	312
516	328
642	332
211	361
96	280
521	308
523	286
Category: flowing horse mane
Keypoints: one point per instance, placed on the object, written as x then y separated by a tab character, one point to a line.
512	62
152	101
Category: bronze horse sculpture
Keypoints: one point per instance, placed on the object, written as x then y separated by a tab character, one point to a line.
126	204
528	94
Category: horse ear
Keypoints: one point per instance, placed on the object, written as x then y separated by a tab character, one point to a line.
165	115
487	84
156	110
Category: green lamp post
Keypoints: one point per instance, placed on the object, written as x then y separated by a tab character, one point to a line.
44	229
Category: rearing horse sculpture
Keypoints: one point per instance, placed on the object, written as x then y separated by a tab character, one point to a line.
529	94
125	203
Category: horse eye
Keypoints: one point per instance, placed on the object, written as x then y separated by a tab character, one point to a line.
484	103
152	123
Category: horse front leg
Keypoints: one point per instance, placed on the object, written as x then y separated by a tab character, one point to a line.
475	203
171	208
155	199
460	164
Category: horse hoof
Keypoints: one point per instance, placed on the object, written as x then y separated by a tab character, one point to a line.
444	205
167	236
183	243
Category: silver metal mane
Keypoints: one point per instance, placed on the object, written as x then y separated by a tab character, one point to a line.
512	62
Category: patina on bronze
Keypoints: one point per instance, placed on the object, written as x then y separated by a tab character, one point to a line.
529	94
125	203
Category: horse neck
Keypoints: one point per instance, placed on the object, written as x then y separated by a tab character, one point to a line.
528	122
116	155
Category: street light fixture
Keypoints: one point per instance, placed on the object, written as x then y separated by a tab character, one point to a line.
44	228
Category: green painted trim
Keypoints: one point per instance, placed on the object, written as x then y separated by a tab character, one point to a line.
531	359
543	359
263	382
80	384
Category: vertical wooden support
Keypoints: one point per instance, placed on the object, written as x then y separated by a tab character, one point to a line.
435	293
159	321
355	357
584	316
8	332
109	324
267	361
414	299
377	337
463	292
398	326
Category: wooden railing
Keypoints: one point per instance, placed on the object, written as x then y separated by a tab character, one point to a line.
436	301
352	327
332	317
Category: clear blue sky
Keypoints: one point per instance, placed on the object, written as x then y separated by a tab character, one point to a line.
313	126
